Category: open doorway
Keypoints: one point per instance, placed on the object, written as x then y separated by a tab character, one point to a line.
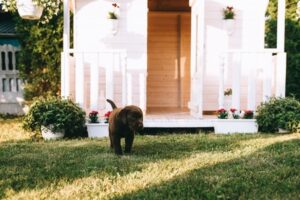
169	34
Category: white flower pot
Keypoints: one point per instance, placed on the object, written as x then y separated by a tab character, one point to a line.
282	130
29	10
112	25
48	134
227	126
228	25
97	130
227	102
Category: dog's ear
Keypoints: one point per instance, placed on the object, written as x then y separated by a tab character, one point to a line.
123	115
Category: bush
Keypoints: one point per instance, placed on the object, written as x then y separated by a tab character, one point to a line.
61	114
279	113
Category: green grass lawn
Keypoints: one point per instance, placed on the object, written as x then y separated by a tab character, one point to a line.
178	166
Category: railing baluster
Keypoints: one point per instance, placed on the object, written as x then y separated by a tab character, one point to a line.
109	86
124	80
129	88
142	91
79	80
254	60
236	81
221	80
94	83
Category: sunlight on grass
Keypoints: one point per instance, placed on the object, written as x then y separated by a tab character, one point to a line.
12	130
102	185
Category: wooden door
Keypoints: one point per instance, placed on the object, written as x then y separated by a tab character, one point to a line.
168	80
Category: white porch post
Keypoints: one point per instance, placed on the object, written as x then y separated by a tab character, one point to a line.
281	56
280	75
65	68
281	25
197	61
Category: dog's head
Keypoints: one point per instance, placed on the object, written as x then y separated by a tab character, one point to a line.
132	116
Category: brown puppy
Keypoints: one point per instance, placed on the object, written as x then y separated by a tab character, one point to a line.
123	123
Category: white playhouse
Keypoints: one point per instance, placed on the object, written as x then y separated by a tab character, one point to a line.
174	59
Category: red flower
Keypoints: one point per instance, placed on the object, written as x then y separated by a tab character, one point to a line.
107	114
93	112
232	110
230	8
248	112
221	110
115	5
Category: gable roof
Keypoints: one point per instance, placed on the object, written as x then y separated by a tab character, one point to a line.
7	26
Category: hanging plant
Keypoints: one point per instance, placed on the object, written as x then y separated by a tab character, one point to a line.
46	8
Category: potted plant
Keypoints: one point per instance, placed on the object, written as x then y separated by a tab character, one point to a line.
223	125
113	16
248	114
234	113
95	128
33	9
228	19
54	117
279	115
222	114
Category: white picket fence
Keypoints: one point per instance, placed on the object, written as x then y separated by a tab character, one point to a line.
267	66
11	93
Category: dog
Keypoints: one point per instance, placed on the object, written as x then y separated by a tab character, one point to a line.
124	123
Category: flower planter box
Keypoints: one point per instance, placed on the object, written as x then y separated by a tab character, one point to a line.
227	126
48	134
97	130
28	10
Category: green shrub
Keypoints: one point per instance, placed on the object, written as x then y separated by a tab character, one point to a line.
279	113
61	114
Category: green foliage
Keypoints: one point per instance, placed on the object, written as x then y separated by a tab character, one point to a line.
279	113
39	58
61	114
222	114
292	43
228	13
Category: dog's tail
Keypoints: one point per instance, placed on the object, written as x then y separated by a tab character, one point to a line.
113	105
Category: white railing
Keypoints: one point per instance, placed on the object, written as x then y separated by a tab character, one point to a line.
268	65
106	71
10	83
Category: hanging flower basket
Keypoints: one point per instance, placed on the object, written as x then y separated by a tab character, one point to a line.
29	10
113	26
228	25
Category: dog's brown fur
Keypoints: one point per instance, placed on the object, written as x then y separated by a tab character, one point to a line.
124	122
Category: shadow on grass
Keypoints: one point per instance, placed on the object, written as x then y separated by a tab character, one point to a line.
36	165
270	173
